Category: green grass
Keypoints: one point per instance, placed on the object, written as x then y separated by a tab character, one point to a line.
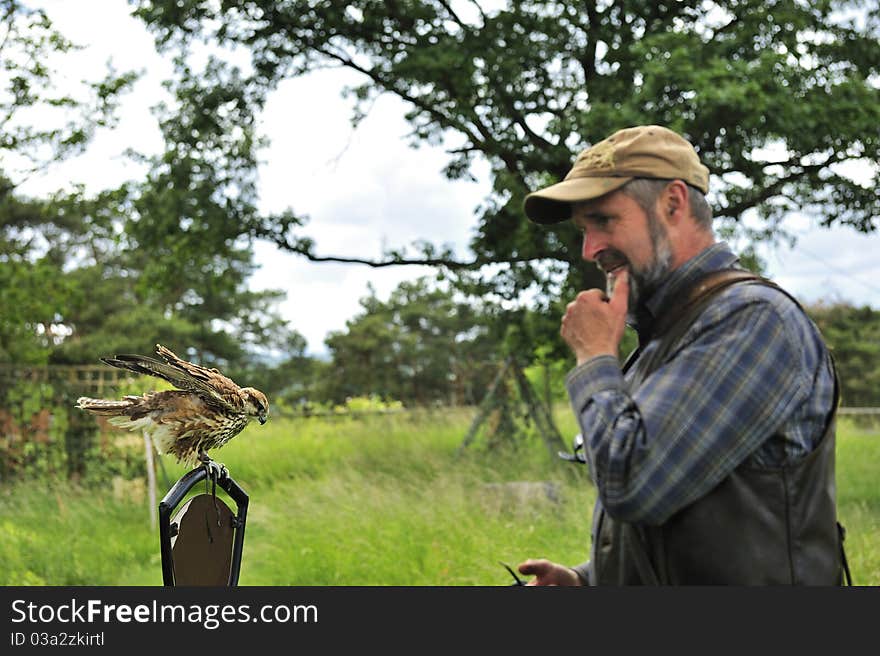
858	499
378	501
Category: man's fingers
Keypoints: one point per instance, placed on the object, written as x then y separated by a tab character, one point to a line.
532	566
526	567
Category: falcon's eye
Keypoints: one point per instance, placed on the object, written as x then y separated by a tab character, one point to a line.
259	404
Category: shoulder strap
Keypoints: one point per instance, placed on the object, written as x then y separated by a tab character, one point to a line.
681	315
671	326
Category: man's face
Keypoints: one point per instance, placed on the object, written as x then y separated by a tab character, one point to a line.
617	234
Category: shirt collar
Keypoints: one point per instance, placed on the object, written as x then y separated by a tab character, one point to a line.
715	257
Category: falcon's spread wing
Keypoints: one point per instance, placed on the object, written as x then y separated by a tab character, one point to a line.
208	383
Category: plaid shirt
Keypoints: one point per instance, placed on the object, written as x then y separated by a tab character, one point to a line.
751	381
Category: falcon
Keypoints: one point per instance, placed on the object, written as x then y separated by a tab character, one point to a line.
205	411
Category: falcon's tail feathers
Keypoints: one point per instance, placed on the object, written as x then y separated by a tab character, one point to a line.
105	407
127	413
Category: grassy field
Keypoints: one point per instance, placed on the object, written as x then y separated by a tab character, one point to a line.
377	501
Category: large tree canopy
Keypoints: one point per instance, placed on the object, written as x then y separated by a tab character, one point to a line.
421	346
166	258
778	96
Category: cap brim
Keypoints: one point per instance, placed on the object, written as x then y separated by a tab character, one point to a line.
553	204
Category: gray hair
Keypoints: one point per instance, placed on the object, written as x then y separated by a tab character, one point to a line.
646	191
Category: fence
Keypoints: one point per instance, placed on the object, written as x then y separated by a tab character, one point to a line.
865	418
42	432
89	380
40	429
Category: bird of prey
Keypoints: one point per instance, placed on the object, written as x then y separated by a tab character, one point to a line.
205	411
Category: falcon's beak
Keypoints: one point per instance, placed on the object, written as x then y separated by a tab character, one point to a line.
262	419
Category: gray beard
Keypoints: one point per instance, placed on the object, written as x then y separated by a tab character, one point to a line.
643	281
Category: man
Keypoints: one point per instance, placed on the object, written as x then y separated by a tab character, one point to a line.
712	450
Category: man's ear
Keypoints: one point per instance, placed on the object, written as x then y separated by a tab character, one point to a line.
676	200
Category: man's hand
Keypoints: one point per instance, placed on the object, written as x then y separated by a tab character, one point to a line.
548	573
593	323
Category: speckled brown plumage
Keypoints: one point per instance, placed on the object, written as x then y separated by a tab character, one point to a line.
205	411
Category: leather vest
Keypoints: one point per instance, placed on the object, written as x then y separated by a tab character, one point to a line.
759	526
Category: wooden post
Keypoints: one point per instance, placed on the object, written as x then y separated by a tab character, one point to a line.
541	415
151	480
486	405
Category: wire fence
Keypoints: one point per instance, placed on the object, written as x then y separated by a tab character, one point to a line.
862	417
41	431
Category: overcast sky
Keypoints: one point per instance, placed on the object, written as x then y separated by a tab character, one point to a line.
364	190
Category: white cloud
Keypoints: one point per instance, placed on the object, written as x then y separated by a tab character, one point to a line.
364	191
829	264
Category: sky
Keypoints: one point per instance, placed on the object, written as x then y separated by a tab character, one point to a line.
365	189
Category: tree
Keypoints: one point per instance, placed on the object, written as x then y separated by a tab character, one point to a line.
422	346
163	259
28	83
35	234
778	97
853	335
189	228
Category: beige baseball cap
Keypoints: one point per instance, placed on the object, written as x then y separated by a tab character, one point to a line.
645	151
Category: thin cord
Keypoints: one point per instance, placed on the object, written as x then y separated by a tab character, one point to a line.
848	274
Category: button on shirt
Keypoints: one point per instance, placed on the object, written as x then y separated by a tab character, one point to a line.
750	381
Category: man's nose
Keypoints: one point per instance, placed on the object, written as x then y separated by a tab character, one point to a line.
591	246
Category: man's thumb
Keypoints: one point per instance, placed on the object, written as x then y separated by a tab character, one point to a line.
620	296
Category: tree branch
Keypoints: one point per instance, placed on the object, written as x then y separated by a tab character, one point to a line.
453	15
444	262
588	61
482	139
734	211
438	116
480	10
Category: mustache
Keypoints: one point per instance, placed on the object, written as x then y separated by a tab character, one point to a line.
611	259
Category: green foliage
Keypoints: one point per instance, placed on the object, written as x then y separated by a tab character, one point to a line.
43	436
33	430
776	97
164	259
422	346
369	404
853	334
31	301
29	84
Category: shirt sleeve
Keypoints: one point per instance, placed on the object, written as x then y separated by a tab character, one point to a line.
583	572
735	380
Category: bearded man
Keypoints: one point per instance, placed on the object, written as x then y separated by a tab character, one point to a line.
712	447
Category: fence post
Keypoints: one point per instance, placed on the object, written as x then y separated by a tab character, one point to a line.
151	480
485	406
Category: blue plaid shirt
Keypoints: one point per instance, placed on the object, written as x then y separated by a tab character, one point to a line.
751	381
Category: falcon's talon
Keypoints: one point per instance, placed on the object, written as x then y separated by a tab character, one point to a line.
215	471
